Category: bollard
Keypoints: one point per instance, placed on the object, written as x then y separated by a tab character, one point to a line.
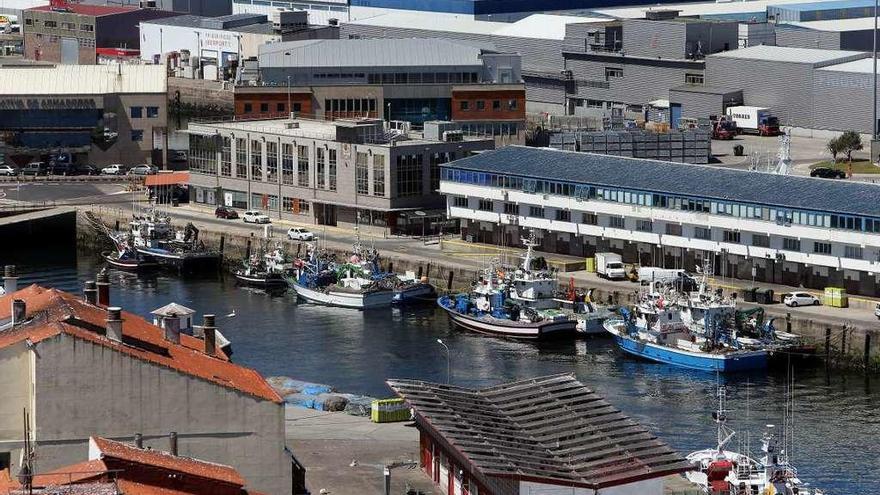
867	350
390	267
222	242
117	225
449	280
788	322
827	345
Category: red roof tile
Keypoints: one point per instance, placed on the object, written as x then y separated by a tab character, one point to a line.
53	312
111	450
92	10
75	473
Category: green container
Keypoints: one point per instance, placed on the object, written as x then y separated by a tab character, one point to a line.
389	411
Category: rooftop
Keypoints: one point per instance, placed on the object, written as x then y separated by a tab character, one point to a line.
697	181
86	9
52	313
840	25
51	80
829	5
790	54
374	52
551	429
861	66
172	308
697	8
237	23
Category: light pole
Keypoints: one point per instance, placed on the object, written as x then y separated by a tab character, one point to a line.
448	360
289	108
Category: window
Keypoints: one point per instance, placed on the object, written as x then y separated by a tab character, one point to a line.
296	206
70	26
693	79
201	155
464	105
248	108
760	240
256	160
86	27
435	161
287	164
302	167
362	174
703	233
485	205
673	229
511	104
297	107
409	175
331	169
644	226
589	219
272	161
241	158
613	72
731	236
496	104
822	247
481	105
460	202
536	211
790	244
563	215
137	136
264	108
321	165
511	209
854	252
379	175
50	24
152	112
137	112
226	156
617	222
28	22
280	107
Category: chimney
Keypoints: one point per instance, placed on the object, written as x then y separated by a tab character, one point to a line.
10	281
90	292
103	288
19	312
172	328
210	334
138	440
172	443
114	324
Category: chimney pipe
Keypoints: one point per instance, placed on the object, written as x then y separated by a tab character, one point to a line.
114	324
90	292
103	283
172	328
210	334
138	440
10	280
19	312
172	443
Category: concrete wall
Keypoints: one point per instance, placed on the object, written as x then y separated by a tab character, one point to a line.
15	368
85	389
842	101
799	37
702	105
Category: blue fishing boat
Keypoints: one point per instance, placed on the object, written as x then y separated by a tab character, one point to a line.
664	338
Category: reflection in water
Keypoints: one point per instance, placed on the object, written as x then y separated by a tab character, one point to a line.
836	422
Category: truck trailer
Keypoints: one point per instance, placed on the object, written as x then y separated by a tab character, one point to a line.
754	120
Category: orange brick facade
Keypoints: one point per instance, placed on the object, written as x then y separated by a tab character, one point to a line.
267	105
494	105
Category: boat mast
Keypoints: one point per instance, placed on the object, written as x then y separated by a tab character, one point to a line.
724	434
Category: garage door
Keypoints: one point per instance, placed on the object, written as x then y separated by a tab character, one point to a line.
69	51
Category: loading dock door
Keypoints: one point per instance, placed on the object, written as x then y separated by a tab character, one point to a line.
69	51
674	115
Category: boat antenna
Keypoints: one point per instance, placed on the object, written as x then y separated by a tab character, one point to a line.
724	433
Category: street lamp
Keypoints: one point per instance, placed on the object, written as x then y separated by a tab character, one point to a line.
289	108
448	360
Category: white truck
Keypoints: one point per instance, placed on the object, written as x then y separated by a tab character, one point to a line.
755	120
650	274
610	265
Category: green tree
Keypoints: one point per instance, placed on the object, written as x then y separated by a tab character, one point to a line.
833	147
849	142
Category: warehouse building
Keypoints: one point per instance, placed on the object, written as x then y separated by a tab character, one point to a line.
345	172
321	12
797	231
100	114
839	34
817	11
83	34
210	8
410	80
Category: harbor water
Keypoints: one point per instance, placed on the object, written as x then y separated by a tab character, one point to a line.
836	421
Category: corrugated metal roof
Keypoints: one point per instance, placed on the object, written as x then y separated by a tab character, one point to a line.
374	52
697	181
839	25
82	79
696	9
832	5
550	429
791	54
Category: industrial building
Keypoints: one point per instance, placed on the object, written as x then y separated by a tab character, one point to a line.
817	11
321	12
540	434
212	47
838	34
84	34
345	172
210	8
411	80
797	231
80	367
100	114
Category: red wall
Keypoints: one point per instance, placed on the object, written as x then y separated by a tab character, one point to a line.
273	100
488	97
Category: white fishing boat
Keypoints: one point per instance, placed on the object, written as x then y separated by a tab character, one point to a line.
409	288
265	268
152	235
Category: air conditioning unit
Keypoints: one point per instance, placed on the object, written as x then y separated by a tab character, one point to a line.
453	136
291	125
148	4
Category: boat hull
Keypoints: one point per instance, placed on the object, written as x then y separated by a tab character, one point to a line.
128	265
354	300
259	281
516	330
415	294
724	363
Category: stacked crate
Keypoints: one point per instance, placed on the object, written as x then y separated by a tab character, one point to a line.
689	146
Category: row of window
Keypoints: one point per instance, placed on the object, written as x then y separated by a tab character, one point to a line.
781	216
138	112
350	105
423	78
480	105
617	72
70	26
266	107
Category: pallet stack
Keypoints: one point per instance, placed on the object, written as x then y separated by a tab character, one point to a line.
689	146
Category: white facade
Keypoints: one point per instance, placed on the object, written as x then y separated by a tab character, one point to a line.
320	11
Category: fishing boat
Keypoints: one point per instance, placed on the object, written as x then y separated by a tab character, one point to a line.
722	472
408	288
154	236
265	269
590	316
125	256
663	337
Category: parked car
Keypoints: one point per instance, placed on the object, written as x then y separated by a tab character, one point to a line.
178	156
796	299
225	212
877	311
828	173
8	170
114	169
254	216
85	169
60	168
142	169
299	234
34	168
